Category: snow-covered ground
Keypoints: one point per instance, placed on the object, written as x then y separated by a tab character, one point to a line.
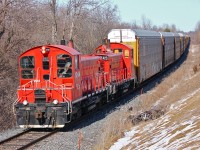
162	133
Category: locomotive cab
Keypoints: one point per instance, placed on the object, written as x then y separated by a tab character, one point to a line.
120	49
47	86
117	59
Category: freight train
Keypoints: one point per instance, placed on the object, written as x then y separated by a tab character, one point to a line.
58	84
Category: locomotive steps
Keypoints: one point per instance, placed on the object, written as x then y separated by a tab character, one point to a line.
175	104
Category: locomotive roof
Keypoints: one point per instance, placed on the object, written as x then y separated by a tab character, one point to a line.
68	49
62	47
115	43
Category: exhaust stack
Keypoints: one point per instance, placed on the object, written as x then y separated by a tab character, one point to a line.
71	43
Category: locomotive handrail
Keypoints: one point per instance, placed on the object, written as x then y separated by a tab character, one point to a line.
24	85
62	89
37	77
18	99
69	105
116	75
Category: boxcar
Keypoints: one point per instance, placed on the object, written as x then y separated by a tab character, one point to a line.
182	42
177	46
168	48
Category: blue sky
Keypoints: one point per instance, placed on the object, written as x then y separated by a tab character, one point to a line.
183	13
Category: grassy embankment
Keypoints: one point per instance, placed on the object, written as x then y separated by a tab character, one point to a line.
178	96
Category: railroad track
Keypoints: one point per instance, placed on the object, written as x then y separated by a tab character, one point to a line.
25	139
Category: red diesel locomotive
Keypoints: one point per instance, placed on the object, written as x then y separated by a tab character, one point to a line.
58	84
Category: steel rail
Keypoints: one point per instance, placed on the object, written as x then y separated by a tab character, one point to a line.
14	136
26	145
38	140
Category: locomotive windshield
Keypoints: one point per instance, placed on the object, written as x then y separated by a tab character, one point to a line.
27	64
64	64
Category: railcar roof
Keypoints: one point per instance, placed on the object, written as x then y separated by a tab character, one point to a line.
167	34
129	35
142	33
181	34
176	34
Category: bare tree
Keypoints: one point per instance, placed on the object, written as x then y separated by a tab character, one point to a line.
53	8
77	10
135	25
146	23
15	26
3	10
173	28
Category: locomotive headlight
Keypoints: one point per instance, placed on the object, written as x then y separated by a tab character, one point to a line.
105	57
25	102
55	101
45	50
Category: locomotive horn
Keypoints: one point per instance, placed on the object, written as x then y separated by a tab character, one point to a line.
63	42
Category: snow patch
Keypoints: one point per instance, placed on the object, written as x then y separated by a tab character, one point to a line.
194	49
124	141
159	138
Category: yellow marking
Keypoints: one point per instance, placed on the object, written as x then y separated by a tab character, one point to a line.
116	51
126	53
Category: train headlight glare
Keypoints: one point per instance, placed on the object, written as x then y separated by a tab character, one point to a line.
25	102
45	50
55	101
105	57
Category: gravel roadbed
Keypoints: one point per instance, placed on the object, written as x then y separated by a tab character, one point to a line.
11	132
90	131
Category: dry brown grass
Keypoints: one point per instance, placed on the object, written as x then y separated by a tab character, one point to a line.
114	129
195	69
184	80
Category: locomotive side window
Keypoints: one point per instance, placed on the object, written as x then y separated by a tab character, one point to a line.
27	74
126	53
27	64
117	50
64	63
